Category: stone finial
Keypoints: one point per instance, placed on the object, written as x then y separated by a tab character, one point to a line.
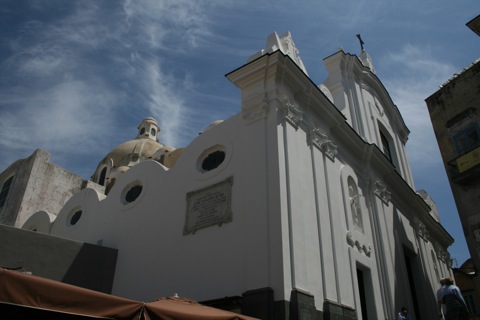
284	44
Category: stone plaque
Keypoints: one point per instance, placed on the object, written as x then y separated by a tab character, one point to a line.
209	206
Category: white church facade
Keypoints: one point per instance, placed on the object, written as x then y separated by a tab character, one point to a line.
301	206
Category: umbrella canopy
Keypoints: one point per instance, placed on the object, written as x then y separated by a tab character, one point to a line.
178	308
25	296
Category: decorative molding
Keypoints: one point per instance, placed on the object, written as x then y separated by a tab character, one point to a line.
255	113
443	254
292	50
381	191
364	248
422	231
295	115
292	113
321	141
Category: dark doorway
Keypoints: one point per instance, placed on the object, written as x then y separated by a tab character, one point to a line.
411	282
362	292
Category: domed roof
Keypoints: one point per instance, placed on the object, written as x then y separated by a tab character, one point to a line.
132	151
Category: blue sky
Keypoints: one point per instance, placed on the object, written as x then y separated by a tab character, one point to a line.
77	77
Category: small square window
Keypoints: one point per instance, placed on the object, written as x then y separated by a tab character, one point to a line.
466	139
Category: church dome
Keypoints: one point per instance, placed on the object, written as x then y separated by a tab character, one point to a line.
132	151
129	153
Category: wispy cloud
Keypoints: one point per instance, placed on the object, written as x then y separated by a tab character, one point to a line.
418	74
164	100
97	62
157	29
71	78
173	25
61	118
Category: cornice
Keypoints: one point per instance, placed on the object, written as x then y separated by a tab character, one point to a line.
275	81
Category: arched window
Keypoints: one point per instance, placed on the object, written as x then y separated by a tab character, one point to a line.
5	190
355	204
109	186
101	179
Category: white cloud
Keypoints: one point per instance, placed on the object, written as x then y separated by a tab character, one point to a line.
164	100
170	24
64	118
418	74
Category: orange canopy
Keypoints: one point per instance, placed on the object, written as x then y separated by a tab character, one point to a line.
25	296
178	308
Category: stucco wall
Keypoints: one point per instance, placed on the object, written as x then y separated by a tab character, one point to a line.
289	154
64	260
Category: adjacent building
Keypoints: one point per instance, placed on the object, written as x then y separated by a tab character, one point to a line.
455	113
34	184
301	206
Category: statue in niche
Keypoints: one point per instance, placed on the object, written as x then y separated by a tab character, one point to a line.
355	205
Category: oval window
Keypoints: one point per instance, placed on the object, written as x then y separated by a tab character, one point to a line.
213	160
75	217
133	193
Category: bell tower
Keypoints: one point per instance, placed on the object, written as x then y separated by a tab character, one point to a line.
148	129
